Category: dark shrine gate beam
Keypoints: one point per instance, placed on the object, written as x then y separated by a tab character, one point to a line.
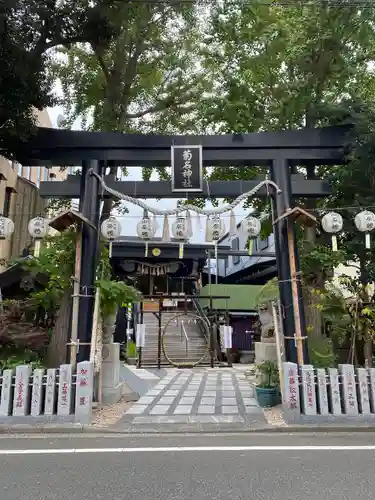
51	147
162	189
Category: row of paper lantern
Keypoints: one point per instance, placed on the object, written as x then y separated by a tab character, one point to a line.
147	227
181	228
333	223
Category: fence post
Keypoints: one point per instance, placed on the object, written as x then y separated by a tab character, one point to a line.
84	391
291	396
363	391
321	380
372	389
64	399
22	391
50	399
308	390
37	392
349	392
6	393
334	389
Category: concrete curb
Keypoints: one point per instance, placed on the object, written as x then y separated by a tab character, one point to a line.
88	429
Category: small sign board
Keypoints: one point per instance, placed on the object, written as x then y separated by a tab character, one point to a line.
187	169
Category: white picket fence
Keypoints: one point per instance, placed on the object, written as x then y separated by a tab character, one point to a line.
345	390
54	393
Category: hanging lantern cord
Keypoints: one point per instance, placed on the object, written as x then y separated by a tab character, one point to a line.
193	208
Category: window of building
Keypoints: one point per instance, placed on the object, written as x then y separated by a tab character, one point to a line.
27	173
39	175
7	201
263	244
45	174
19	170
235	246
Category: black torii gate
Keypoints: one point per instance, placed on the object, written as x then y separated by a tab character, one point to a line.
278	152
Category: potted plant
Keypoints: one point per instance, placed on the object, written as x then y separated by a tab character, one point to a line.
131	353
267	387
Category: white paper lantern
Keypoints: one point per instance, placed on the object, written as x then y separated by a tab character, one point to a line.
146	230
215	228
332	223
250	227
180	229
6	227
365	222
38	227
111	230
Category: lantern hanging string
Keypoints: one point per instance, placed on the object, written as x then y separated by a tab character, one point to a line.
203	211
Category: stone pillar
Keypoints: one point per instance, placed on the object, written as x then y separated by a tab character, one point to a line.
111	383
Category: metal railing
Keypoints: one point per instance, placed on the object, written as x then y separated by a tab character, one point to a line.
183	333
200	312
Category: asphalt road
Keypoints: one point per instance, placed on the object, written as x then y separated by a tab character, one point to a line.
251	467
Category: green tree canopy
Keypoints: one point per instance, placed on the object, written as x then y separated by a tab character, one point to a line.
29	29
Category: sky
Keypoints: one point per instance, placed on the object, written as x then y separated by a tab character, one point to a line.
129	221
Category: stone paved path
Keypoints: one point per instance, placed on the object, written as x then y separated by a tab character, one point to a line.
196	397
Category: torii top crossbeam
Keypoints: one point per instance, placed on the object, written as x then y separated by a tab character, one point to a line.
51	147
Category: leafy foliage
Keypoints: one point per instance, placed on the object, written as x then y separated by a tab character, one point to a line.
268	374
114	294
28	30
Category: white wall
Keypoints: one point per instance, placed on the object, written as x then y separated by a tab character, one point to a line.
234	264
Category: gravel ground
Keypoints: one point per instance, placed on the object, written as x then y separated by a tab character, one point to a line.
274	416
110	415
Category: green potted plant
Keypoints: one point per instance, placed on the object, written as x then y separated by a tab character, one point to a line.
267	388
131	353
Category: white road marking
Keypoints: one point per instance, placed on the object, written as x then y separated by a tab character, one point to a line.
169	449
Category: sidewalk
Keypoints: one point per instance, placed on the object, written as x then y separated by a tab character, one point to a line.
199	400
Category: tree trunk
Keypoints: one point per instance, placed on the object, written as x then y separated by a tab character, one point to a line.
57	348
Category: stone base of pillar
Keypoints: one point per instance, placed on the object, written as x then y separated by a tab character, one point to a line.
113	389
265	351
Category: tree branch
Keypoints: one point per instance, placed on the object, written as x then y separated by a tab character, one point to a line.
161	106
100	58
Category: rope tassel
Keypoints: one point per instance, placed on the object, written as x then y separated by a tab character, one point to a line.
207	235
155	223
166	238
199	223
